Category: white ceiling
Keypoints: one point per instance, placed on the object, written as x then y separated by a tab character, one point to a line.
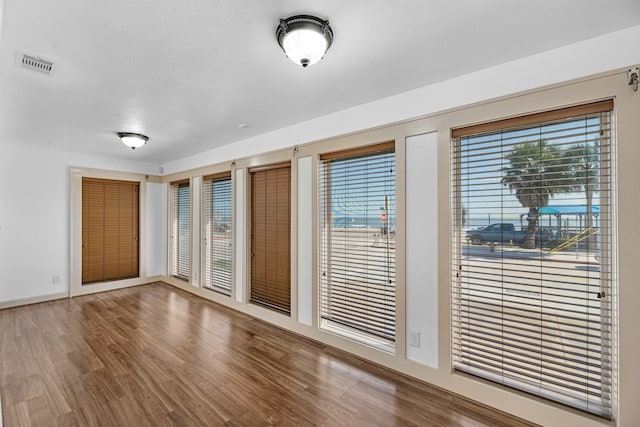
187	72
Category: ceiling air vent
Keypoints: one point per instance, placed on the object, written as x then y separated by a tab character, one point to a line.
35	63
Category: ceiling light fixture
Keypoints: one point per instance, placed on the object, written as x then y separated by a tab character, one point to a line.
304	38
133	140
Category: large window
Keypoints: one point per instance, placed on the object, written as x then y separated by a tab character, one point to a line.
357	243
180	230
271	237
533	254
216	226
110	215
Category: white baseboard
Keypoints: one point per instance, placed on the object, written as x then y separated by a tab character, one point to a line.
65	294
33	300
94	288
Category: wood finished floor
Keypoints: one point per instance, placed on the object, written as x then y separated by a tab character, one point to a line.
154	356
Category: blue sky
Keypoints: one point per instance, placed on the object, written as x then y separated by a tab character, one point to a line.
482	161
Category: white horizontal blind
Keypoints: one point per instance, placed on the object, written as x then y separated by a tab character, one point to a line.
179	227
216	208
535	313
357	249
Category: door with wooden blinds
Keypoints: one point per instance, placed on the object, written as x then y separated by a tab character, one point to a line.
110	230
271	238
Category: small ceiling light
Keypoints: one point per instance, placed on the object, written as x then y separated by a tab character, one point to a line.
133	140
304	38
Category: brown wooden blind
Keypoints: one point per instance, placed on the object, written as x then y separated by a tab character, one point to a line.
271	238
219	175
181	182
110	230
533	119
385	147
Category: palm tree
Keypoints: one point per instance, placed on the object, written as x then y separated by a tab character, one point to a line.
534	173
582	162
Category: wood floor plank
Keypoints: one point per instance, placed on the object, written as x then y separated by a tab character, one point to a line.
17	415
23	390
156	356
39	411
54	395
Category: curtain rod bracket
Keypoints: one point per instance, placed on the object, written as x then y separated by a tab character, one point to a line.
632	78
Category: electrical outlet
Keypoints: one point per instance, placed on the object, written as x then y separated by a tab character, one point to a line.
55	280
414	339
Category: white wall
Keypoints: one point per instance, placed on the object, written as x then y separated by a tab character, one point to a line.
34	217
586	58
195	232
421	169
156	229
239	230
1	13
305	241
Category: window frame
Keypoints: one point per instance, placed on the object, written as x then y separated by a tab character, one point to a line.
270	301
174	248
323	212
75	229
609	280
209	180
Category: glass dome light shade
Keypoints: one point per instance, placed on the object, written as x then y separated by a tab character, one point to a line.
133	140
304	46
304	38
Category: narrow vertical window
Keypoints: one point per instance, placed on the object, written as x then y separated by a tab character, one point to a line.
357	244
180	230
271	237
533	254
216	226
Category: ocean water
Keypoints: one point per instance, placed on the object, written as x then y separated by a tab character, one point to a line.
473	222
362	221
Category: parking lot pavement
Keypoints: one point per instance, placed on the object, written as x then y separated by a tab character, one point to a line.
538	254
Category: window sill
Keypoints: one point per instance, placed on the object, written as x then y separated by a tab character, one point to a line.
357	336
